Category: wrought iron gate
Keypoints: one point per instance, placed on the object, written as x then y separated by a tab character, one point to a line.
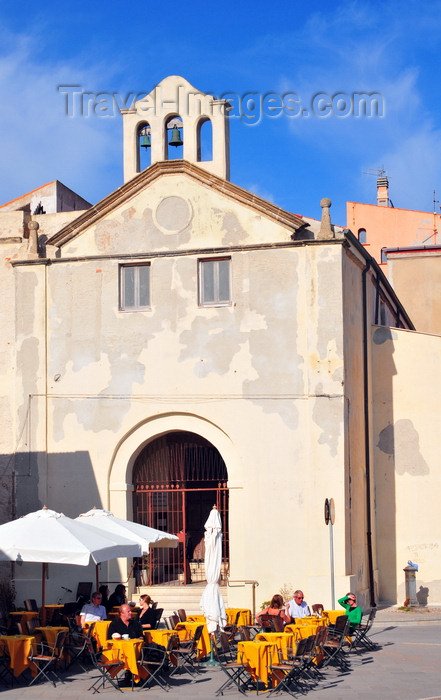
177	479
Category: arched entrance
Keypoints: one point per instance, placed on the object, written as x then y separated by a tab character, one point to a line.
177	478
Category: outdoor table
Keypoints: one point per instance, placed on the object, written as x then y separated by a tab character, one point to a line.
257	657
283	640
158	636
25	615
244	617
331	615
129	651
186	630
19	648
99	631
50	633
200	619
301	631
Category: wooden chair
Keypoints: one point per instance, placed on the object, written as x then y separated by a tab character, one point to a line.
153	660
334	642
107	670
317	608
158	612
6	674
360	635
31	605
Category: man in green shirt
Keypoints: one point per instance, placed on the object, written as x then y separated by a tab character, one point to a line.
353	611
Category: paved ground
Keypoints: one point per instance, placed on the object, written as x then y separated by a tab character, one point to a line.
406	666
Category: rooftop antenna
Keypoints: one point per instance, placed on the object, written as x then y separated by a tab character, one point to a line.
435	202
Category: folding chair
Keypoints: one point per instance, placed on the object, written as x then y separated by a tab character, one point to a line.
248	632
288	672
317	608
154	661
107	670
6	673
184	656
158	612
78	646
236	672
31	605
173	621
47	659
360	636
182	615
335	641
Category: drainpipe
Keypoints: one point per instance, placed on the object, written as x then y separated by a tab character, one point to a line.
367	438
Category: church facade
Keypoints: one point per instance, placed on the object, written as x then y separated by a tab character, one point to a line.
184	343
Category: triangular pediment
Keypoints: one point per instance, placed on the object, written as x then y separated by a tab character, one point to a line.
171	184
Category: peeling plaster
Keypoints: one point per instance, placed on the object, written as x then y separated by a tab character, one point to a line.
234	234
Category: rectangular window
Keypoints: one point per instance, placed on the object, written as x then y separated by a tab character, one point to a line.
134	287
215	282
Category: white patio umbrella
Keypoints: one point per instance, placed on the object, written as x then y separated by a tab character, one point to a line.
49	537
146	537
212	603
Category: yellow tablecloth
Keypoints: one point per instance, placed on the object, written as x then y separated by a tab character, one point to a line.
186	630
158	636
128	651
50	633
19	648
283	640
331	615
257	656
301	631
200	619
99	632
244	617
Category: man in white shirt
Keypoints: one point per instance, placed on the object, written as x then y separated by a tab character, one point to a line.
297	607
94	611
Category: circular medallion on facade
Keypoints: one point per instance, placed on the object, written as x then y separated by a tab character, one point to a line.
173	214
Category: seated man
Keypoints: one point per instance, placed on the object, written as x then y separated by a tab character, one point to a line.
94	611
353	611
297	607
124	624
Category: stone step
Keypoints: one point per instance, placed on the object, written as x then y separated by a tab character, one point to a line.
173	597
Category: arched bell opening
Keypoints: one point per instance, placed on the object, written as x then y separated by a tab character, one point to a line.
204	140
144	146
177	479
174	138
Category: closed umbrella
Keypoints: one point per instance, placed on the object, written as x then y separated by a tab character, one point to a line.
146	537
49	537
212	603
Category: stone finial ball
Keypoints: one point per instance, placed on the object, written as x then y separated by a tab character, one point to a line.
325	202
34	225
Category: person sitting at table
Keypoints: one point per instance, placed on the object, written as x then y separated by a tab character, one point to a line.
105	592
94	611
297	606
353	611
117	598
146	615
274	608
124	624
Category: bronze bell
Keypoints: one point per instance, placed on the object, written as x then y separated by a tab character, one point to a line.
146	141
175	139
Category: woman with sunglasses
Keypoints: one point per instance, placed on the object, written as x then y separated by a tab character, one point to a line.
353	611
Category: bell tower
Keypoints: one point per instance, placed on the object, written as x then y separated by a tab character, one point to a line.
175	120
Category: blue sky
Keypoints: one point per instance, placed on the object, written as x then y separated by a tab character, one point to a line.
281	47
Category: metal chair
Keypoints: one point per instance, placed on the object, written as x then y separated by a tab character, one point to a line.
6	673
360	636
182	615
288	672
158	612
173	620
31	605
317	608
335	641
235	670
47	659
78	646
154	661
184	656
107	669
